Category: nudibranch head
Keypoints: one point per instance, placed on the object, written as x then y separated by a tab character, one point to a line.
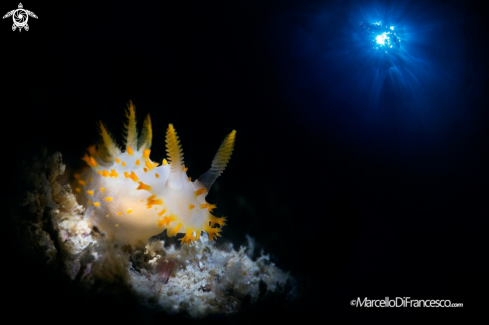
131	198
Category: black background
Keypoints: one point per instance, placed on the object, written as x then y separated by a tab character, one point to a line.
343	227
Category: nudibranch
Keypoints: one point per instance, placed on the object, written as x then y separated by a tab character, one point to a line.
132	198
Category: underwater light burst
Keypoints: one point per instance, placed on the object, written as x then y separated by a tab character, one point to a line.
381	36
395	74
381	39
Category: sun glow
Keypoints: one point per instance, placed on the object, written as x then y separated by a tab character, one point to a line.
381	36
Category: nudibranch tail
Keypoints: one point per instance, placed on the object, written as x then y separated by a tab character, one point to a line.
219	162
130	131
132	198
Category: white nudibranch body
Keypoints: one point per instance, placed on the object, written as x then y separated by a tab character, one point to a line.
131	198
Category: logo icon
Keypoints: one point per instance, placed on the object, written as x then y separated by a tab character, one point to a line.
20	17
